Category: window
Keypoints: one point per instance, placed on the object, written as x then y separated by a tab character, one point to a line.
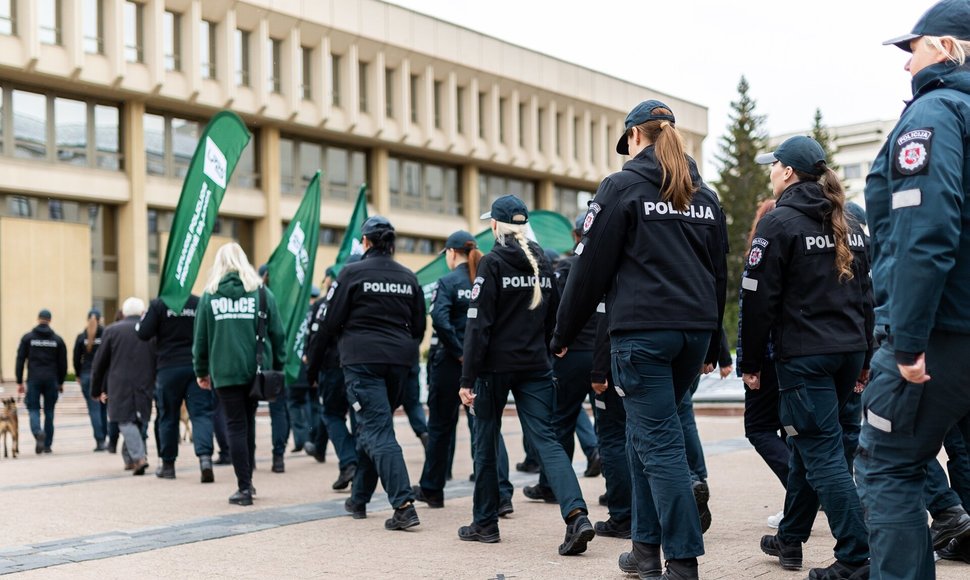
8	17
71	131
492	186
246	173
169	144
423	186
49	19
93	26
460	111
172	39
275	50
414	98
853	170
362	85
389	93
540	129
569	201
501	119
106	137
437	104
242	58
411	245
335	79
30	125
344	169
185	137
207	49
481	115
306	87
134	31
330	237
521	124
20	206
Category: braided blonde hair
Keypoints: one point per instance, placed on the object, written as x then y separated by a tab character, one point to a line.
503	229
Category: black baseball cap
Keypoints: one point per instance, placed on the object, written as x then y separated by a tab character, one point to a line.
640	115
856	211
94	312
946	18
508	209
376	224
459	241
44	314
799	152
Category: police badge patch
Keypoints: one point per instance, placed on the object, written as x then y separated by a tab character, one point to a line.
757	253
333	288
913	151
477	288
594	209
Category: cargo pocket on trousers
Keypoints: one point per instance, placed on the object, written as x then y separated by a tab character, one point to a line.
796	411
624	373
352	399
890	403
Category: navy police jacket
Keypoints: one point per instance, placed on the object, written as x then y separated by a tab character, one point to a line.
376	309
791	289
916	201
173	331
502	334
660	268
320	356
44	354
449	308
586	338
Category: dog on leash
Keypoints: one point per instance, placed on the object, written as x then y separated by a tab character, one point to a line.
186	424
9	424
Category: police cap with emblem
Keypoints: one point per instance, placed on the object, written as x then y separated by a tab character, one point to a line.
460	241
376	225
640	115
946	18
508	209
799	152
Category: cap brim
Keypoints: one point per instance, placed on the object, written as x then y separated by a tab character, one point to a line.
621	146
902	41
765	158
486	216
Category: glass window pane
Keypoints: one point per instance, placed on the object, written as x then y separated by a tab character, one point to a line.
49	21
133	31
412	178
358	168
172	40
394	175
93	27
242	58
30	125
452	200
207	49
286	166
185	136
154	127
71	127
311	161
434	182
8	24
245	174
337	166
106	137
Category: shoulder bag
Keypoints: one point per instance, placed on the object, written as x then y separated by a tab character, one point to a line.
268	384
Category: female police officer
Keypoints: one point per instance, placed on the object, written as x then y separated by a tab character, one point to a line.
376	308
510	320
916	198
654	243
806	283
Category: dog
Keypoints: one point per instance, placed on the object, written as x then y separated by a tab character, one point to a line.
9	424
186	424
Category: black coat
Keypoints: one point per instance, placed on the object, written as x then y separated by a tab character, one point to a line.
124	367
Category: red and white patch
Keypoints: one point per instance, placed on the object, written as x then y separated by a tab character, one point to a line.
754	256
476	290
913	151
912	157
594	208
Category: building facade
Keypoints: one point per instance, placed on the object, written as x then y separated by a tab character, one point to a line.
102	103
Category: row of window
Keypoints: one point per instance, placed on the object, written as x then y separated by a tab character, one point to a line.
170	142
344	169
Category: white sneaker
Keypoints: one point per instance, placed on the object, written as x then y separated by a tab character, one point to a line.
775	520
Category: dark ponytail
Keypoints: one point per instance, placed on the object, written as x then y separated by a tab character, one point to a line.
474	257
676	184
835	194
382	241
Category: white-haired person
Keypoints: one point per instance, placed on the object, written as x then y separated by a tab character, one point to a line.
123	376
224	352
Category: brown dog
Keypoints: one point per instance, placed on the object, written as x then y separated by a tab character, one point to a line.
9	424
186	424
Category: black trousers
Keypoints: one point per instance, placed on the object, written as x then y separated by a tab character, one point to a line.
762	426
240	411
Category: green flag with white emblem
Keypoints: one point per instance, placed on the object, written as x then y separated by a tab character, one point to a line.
291	275
215	158
351	244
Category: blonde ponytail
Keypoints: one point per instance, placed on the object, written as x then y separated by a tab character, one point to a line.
518	231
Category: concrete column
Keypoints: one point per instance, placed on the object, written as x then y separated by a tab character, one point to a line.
191	61
268	230
404	84
322	81
292	57
471	194
133	215
351	74
114	35
226	56
72	35
378	182
28	30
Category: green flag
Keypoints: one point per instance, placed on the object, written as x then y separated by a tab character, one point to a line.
291	275
351	243
548	229
222	141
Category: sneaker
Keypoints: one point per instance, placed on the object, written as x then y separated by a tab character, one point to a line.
403	518
278	465
505	507
949	524
433	502
578	534
789	555
613	529
205	467
139	467
594	466
47	450
839	570
166	470
539	492
643	560
775	520
476	533
958	550
357	510
527	467
346	476
241	497
702	495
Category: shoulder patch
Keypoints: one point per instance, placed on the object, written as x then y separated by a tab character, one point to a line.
757	252
591	213
912	152
434	292
477	288
333	288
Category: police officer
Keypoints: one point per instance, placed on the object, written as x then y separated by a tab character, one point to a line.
510	320
85	348
916	200
377	310
654	243
323	363
175	384
45	355
806	283
449	309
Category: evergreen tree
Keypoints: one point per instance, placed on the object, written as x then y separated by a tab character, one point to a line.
741	185
821	134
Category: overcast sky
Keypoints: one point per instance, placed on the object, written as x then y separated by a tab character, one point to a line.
796	55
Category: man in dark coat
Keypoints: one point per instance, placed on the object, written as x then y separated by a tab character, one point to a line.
126	364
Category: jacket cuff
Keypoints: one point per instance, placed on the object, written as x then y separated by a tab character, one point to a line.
906	358
555	345
597	377
749	366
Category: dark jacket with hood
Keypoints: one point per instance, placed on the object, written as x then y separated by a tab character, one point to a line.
660	269
44	353
502	334
916	201
320	356
586	339
125	369
449	309
791	288
173	331
83	358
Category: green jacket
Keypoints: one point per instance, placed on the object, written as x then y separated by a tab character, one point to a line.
225	334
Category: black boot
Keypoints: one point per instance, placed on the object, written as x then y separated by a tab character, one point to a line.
346	476
205	466
241	497
403	518
166	471
789	555
949	524
685	569
643	560
578	533
278	465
